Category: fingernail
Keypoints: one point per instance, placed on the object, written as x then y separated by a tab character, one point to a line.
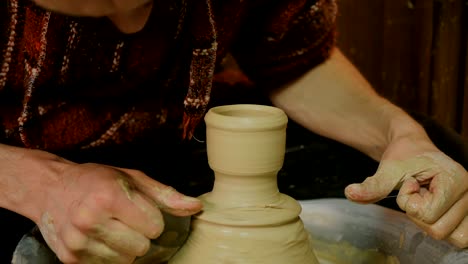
190	199
352	187
352	191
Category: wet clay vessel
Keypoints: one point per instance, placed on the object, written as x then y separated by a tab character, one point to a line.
245	218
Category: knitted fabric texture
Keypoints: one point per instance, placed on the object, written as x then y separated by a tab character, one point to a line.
77	82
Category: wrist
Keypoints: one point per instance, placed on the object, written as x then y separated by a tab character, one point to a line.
29	175
401	125
406	132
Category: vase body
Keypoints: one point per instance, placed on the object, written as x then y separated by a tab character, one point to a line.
245	218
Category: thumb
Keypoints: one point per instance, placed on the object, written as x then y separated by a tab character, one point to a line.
376	187
167	198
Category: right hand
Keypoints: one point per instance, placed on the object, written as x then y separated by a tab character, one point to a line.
92	8
129	16
99	214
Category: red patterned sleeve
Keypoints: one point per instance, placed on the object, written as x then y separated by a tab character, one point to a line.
282	40
9	20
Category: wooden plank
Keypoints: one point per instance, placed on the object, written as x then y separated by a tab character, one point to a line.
464	108
406	51
360	36
422	36
446	62
390	42
464	114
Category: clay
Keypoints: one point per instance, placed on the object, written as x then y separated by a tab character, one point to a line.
342	252
47	227
245	218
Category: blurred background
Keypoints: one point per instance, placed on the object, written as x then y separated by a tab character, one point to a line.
414	52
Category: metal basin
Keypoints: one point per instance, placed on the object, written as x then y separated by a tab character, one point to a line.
343	233
346	232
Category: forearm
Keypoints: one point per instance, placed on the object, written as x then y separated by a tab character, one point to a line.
334	100
25	177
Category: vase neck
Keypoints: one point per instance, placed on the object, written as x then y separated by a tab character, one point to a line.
244	190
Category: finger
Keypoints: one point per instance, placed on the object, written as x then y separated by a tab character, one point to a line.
445	226
165	196
174	202
53	239
64	254
428	204
137	212
77	247
115	234
376	187
448	185
124	204
122	238
409	198
98	252
459	237
73	239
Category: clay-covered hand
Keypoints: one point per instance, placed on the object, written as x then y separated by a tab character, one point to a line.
100	214
129	16
433	188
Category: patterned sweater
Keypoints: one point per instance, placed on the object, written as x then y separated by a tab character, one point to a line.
77	82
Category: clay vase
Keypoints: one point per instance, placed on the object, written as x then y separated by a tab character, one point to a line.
245	218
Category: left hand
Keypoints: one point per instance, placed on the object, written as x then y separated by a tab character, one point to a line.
433	188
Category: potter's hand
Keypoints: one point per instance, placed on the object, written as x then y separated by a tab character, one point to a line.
433	189
129	16
101	214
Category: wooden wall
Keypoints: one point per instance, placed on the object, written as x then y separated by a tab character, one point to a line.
414	52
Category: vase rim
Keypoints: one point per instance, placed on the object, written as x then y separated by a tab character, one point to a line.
246	117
